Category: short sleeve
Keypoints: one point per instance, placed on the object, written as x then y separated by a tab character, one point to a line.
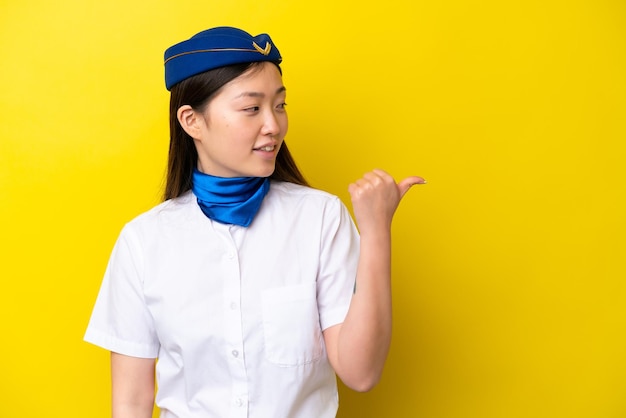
338	263
120	321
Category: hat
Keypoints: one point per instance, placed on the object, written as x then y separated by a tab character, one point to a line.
213	48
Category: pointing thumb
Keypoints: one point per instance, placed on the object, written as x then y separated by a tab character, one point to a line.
405	184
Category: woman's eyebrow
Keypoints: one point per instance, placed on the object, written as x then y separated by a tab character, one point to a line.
259	94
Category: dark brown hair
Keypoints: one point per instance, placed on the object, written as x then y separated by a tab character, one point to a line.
197	91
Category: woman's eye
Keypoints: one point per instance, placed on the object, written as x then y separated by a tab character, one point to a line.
252	109
282	105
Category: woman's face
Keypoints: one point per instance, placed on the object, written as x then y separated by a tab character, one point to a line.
242	128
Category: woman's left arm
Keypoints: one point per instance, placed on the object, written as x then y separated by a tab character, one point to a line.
357	348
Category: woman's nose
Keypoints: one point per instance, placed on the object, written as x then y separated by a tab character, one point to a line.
270	124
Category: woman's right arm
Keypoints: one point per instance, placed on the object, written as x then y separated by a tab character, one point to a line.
132	380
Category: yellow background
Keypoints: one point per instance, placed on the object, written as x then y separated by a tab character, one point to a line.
509	265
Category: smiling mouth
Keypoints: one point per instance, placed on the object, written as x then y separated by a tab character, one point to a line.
267	148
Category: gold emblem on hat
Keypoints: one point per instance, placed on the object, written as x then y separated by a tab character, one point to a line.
264	51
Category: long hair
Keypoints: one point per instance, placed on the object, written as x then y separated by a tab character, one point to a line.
197	91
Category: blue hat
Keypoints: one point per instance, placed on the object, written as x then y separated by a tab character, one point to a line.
215	48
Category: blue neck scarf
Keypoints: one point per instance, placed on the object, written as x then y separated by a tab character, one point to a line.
233	200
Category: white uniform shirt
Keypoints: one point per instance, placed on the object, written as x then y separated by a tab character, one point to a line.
235	315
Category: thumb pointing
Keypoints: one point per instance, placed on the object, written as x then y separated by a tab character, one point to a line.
405	184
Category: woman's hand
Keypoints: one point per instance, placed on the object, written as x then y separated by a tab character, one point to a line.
376	196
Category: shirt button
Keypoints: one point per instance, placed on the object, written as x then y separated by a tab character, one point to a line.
231	255
235	353
233	306
239	402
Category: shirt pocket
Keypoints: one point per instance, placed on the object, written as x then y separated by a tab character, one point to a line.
291	325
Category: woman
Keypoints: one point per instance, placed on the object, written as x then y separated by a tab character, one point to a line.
250	288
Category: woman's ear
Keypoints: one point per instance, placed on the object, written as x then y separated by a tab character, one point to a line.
190	121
